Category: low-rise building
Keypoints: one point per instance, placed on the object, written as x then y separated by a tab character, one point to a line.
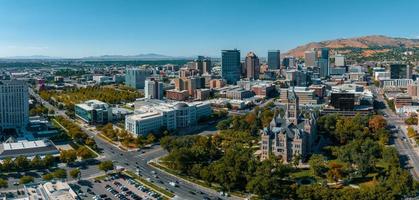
177	95
238	93
27	148
202	94
55	190
94	112
151	116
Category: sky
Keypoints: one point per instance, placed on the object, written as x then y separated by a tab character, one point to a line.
80	28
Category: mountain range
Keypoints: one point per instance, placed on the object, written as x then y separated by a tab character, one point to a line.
368	45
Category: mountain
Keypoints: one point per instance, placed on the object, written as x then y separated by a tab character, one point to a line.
149	56
366	45
33	57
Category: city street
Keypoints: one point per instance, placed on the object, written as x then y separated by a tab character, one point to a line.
134	160
404	147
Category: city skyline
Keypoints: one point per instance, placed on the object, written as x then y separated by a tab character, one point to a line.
184	28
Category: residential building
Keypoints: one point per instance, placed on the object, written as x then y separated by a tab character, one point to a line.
291	136
152	116
217	83
310	58
14	104
153	89
135	77
274	59
93	112
202	94
230	66
238	93
252	66
178	95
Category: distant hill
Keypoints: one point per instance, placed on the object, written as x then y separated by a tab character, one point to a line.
149	56
365	46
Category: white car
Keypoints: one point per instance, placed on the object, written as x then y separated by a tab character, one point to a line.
173	184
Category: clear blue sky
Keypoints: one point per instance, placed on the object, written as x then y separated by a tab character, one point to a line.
77	28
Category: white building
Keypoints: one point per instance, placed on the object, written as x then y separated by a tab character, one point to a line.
14	104
93	112
381	75
152	115
339	60
27	149
56	190
399	83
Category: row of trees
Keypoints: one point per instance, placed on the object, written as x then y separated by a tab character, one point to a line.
126	139
70	155
73	96
76	133
21	163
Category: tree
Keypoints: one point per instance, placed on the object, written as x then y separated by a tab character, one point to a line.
60	174
335	171
75	173
48	160
376	123
36	162
3	183
21	163
411	132
48	177
151	138
25	180
412	120
106	166
317	164
84	153
8	164
68	156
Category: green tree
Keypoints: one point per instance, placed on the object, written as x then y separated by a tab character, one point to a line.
84	153
48	177
60	174
68	156
75	173
37	162
48	160
317	164
3	183
21	163
106	166
25	180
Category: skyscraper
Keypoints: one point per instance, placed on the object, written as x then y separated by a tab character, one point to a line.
252	66
310	58
323	63
230	65
274	59
153	89
339	60
206	64
399	71
14	104
135	77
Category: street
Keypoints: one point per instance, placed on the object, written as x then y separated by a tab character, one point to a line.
132	160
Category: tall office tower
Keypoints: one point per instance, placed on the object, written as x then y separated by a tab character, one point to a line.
206	64
135	77
230	65
289	62
252	66
199	64
325	53
153	89
14	104
274	59
339	60
310	58
399	71
323	66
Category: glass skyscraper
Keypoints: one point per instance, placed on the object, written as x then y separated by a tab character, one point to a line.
230	66
274	59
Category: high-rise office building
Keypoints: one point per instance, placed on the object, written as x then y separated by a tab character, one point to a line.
310	58
135	77
14	104
399	71
289	62
230	65
206	65
274	59
252	66
339	60
325	53
323	66
153	89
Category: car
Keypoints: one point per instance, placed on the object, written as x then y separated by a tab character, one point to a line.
103	196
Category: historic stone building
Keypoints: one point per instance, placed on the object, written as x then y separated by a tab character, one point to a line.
291	135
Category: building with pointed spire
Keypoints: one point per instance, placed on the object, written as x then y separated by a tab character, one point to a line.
291	136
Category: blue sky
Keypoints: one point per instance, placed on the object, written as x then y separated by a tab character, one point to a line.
77	28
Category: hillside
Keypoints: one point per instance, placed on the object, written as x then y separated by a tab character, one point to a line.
366	46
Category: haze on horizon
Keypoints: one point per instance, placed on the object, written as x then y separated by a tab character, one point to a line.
81	28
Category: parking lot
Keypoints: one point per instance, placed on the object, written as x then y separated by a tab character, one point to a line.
114	187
